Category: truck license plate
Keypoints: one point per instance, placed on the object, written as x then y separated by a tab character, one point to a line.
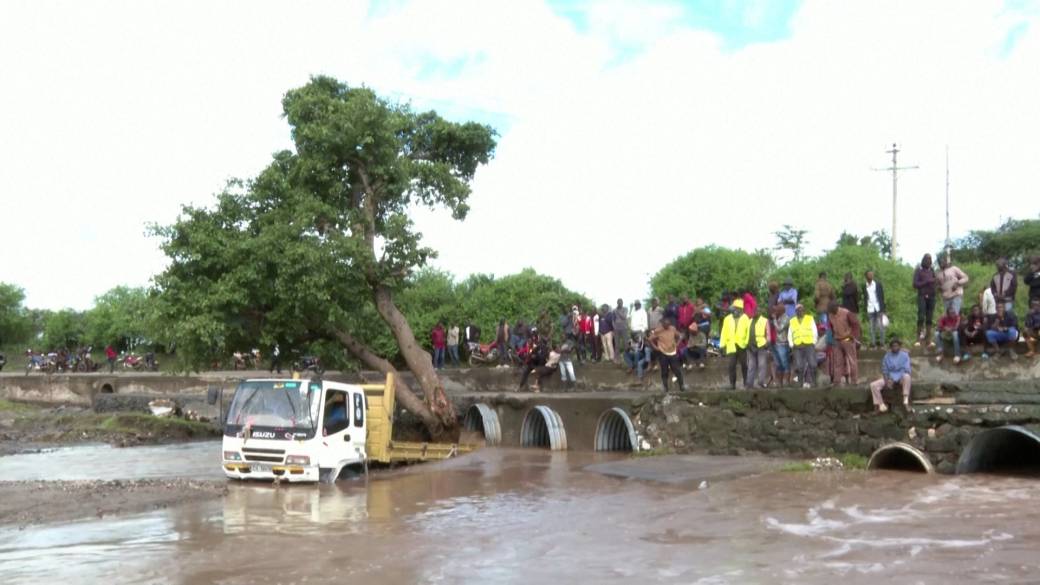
259	468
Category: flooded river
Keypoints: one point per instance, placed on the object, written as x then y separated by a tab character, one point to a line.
512	516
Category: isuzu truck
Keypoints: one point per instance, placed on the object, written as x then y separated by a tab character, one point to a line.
309	430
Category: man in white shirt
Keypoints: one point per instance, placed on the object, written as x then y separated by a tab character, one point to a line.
874	298
637	320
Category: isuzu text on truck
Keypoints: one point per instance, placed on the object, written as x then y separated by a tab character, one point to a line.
310	429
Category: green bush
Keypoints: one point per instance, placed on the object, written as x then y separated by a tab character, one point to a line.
900	296
707	272
433	296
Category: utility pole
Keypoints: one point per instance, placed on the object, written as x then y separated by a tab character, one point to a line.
895	168
949	243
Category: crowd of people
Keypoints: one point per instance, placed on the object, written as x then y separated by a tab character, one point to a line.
772	341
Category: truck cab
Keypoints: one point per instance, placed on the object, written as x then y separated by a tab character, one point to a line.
294	430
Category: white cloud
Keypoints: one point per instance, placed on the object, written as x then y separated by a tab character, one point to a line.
114	114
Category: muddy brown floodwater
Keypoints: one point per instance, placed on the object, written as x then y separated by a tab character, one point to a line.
533	517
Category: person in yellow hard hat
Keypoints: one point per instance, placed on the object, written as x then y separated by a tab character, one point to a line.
736	330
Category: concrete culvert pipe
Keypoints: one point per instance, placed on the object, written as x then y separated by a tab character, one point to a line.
542	427
1011	450
900	457
614	432
482	419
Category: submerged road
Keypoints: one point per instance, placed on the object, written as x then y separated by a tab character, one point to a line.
534	516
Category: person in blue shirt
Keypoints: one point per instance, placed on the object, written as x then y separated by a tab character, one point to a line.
788	297
895	369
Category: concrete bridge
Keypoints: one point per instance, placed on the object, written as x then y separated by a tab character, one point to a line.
982	416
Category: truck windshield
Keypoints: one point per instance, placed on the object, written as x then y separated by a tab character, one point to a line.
284	405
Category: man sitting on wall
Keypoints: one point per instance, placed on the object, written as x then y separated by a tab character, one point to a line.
948	333
1003	331
895	369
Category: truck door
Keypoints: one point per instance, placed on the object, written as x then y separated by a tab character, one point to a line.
337	440
358	431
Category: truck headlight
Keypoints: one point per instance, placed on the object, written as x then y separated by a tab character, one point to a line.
232	456
298	460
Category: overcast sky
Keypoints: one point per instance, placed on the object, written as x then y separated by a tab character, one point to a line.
630	132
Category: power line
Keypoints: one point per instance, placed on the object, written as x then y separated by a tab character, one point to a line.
949	243
895	168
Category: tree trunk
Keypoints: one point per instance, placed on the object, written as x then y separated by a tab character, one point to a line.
417	358
407	398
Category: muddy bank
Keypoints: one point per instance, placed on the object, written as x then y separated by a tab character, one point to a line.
24	503
29	428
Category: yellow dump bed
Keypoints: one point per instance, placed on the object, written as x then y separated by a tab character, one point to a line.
380	444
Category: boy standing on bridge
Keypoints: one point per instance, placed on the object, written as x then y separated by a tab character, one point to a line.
665	339
895	369
110	353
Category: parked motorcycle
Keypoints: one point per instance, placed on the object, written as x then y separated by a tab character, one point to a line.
133	362
309	362
487	353
243	361
81	362
39	362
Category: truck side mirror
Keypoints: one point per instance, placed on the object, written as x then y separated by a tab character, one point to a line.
213	395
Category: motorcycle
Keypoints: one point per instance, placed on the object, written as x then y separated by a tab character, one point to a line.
309	362
133	362
38	361
243	361
84	363
487	353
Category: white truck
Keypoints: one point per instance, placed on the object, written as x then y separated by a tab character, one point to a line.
308	430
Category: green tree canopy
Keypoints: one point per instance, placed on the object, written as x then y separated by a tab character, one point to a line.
16	322
323	235
521	296
856	258
62	329
1016	240
124	317
707	272
792	240
433	296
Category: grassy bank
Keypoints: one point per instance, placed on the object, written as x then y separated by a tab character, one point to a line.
846	461
28	424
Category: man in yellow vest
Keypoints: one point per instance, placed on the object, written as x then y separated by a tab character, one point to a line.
758	350
736	329
802	336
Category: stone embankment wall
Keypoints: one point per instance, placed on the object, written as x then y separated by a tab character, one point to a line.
953	403
810	423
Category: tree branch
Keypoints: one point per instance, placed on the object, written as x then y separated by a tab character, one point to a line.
405	396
